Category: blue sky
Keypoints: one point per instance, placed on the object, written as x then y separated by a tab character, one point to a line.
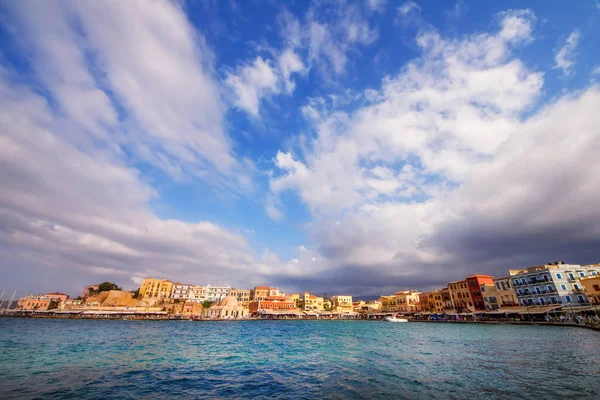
351	147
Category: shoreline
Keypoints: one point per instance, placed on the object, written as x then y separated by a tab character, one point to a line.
539	323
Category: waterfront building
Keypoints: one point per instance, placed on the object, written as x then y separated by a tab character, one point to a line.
311	302
57	296
181	291
156	288
446	300
475	282
591	285
260	292
197	294
295	297
407	301
327	304
388	304
424	302
70	304
341	304
35	302
226	308
505	292
436	304
274	303
490	296
88	289
554	283
461	296
241	295
217	293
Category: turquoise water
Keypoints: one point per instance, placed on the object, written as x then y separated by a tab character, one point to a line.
62	359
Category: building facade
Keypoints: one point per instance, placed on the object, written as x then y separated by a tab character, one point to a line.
217	293
341	304
436	304
407	301
226	308
591	285
475	282
506	292
310	302
554	283
156	288
424	302
241	295
461	296
260	292
388	304
182	291
88	289
274	303
57	296
35	302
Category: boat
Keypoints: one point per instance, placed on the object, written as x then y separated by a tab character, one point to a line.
394	319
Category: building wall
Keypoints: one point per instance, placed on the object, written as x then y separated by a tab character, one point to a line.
475	283
388	303
556	283
436	304
156	288
57	296
461	296
181	291
216	293
407	301
591	284
506	292
34	302
87	289
242	295
260	292
271	303
342	303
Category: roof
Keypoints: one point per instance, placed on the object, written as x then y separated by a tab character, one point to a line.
261	288
228	301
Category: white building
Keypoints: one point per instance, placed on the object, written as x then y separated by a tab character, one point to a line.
181	291
217	293
554	283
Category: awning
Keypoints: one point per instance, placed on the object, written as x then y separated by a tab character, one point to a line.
539	309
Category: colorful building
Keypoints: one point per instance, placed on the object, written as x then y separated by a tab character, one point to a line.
475	282
261	292
591	285
388	304
506	292
461	296
35	302
341	304
241	295
424	302
407	301
446	300
274	303
156	288
435	301
310	302
554	283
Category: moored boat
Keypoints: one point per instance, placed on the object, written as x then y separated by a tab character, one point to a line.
394	319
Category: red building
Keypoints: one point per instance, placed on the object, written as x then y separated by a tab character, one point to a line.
474	282
271	303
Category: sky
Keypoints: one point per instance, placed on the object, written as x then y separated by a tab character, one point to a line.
347	147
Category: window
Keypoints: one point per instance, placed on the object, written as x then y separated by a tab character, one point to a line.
559	276
594	273
582	274
597	287
563	287
542	301
568	299
576	286
571	276
581	299
537	290
550	287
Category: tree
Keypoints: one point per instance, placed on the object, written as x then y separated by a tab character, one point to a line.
136	293
106	286
207	304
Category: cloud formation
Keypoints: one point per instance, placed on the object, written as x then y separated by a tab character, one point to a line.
565	56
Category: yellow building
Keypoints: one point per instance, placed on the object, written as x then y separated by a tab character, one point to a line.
436	302
156	288
341	303
241	295
461	296
506	292
407	301
388	303
591	285
311	302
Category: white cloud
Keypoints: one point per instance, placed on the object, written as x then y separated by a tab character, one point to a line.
376	5
565	57
408	7
251	83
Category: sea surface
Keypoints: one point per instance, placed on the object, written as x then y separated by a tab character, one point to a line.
87	359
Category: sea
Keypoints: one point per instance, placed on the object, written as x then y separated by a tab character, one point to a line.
100	359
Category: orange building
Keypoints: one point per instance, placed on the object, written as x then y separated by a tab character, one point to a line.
271	303
37	302
461	296
475	282
424	302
